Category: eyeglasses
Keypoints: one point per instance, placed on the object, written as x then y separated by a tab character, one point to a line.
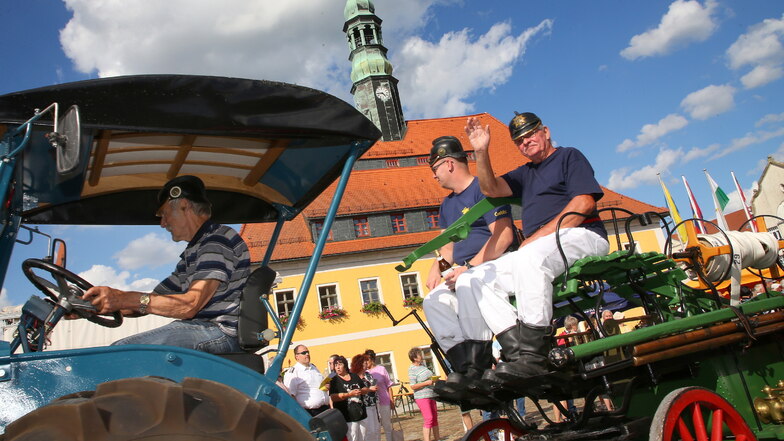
435	167
527	136
303	353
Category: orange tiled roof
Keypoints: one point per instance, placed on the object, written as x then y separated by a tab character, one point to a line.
399	188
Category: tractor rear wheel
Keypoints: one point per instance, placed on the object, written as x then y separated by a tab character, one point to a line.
153	408
692	413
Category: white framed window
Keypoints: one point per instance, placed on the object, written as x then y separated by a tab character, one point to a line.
385	359
284	301
329	296
409	285
429	360
370	290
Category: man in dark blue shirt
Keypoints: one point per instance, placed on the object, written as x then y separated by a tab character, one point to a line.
457	325
554	182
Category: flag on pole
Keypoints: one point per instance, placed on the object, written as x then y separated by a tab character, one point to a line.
695	209
676	217
746	208
720	200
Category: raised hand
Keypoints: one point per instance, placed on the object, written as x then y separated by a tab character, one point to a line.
478	135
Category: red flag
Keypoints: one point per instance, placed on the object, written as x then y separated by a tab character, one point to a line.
746	208
695	209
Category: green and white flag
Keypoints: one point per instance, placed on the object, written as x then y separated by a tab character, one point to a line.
720	200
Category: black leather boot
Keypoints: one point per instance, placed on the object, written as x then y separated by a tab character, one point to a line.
468	359
525	347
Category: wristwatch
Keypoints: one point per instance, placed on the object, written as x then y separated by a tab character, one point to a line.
144	301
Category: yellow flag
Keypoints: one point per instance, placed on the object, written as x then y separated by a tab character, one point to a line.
676	217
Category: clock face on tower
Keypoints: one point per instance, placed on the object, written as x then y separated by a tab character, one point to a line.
383	93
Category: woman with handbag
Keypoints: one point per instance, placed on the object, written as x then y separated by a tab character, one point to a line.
346	391
421	379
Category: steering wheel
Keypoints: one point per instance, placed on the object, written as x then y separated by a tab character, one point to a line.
70	288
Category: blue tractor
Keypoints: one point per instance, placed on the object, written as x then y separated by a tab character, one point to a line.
95	153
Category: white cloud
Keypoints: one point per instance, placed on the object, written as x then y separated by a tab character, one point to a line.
102	275
649	133
4	299
685	22
778	155
295	41
151	250
761	75
696	153
770	118
762	48
710	101
429	89
258	39
625	178
761	45
748	140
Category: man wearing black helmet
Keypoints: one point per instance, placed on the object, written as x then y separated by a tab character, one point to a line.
203	292
556	181
466	341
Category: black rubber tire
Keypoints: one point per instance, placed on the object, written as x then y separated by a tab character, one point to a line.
153	408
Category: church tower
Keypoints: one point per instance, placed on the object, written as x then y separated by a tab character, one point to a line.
375	89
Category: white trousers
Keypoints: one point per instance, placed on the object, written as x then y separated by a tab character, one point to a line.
442	310
369	427
385	417
480	305
355	431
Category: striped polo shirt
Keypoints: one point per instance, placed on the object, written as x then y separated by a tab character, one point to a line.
215	252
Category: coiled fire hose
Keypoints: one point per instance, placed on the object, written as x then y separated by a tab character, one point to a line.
750	250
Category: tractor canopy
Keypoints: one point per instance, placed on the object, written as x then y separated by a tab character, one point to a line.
264	149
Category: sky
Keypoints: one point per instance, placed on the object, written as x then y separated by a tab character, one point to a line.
642	88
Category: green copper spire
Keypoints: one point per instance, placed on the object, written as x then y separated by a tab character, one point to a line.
358	7
375	89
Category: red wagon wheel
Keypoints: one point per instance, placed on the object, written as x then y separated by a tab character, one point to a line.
484	431
698	414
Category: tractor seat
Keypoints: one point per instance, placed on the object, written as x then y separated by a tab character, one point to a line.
252	319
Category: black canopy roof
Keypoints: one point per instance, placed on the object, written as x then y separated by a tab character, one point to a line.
261	147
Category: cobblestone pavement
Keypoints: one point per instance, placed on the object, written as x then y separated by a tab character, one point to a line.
449	421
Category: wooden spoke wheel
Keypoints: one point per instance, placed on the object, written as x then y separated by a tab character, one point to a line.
695	413
496	428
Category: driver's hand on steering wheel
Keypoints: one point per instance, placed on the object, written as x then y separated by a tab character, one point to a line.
105	299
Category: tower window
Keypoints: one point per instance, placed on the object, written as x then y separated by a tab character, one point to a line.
369	37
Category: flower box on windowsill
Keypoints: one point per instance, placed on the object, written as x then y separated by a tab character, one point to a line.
332	313
373	308
413	302
284	320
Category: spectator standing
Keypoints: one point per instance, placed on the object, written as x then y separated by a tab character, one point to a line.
384	400
303	380
370	426
346	391
421	379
